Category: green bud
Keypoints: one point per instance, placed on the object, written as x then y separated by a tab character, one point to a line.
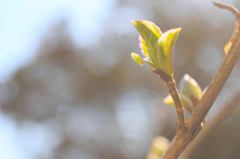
137	58
189	87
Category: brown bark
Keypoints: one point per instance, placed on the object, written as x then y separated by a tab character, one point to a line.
171	84
180	141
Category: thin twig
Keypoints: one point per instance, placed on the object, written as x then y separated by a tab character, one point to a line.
228	7
171	84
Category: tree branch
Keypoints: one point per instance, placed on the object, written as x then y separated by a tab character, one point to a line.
228	7
213	123
180	141
215	86
171	84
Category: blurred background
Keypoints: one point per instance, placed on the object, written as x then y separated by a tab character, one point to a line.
70	90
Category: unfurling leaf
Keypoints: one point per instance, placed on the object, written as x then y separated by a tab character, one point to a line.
189	87
149	35
187	103
157	47
137	58
164	50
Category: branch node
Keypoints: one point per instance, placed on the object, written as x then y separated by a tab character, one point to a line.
170	83
172	93
181	109
165	77
171	86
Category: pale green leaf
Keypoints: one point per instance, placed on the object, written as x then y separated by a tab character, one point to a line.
164	50
186	102
189	87
150	34
137	58
143	46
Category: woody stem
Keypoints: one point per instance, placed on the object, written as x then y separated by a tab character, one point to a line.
171	84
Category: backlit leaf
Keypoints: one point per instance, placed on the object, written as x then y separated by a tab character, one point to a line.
164	50
137	58
150	34
189	87
143	46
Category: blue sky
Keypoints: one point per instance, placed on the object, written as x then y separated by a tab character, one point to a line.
24	22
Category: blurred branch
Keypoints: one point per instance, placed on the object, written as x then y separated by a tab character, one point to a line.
228	7
180	141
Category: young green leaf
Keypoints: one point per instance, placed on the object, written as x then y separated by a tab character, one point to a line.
137	58
164	50
187	103
149	35
143	46
189	87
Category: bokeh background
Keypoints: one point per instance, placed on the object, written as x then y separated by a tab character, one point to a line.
70	90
